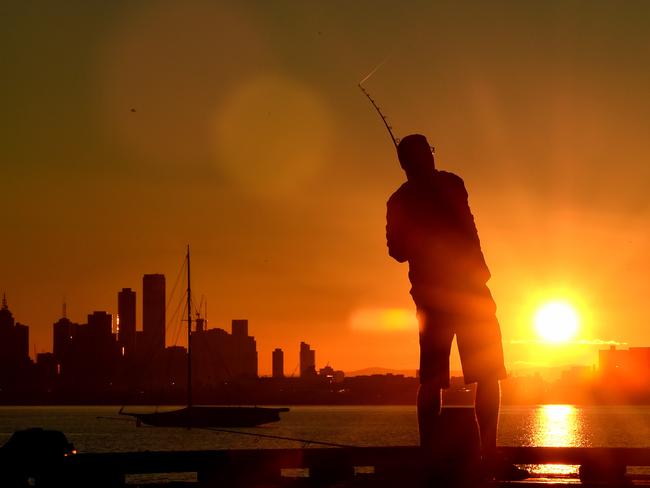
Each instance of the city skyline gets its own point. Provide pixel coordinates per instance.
(130, 130)
(306, 363)
(128, 341)
(88, 365)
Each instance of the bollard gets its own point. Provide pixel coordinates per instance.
(459, 441)
(456, 454)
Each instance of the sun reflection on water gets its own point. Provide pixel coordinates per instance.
(556, 426)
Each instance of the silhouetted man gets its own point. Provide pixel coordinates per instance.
(430, 225)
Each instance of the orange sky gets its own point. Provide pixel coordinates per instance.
(250, 141)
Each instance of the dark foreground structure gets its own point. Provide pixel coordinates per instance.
(352, 467)
(346, 467)
(45, 459)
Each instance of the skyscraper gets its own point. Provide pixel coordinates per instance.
(14, 338)
(153, 313)
(100, 325)
(14, 351)
(278, 363)
(219, 356)
(240, 328)
(126, 320)
(63, 334)
(93, 354)
(307, 361)
(245, 347)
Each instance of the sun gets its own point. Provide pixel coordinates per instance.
(556, 321)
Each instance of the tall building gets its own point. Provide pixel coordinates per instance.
(101, 325)
(245, 364)
(126, 321)
(278, 363)
(219, 356)
(63, 334)
(153, 314)
(307, 361)
(47, 369)
(628, 368)
(92, 353)
(15, 364)
(240, 328)
(14, 338)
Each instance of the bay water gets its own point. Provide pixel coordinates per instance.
(101, 429)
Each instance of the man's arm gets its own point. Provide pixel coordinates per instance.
(396, 230)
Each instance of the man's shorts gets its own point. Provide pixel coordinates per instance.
(472, 318)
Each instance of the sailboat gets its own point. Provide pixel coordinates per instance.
(200, 416)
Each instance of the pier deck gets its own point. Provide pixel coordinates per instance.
(364, 466)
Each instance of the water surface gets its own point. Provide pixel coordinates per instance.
(100, 429)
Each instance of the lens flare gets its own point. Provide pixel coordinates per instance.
(384, 320)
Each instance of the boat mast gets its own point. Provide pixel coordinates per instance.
(189, 332)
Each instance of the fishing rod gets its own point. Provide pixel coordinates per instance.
(372, 101)
(395, 140)
(383, 117)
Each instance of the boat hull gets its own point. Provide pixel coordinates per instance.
(207, 417)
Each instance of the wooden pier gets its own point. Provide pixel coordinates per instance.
(364, 466)
(41, 458)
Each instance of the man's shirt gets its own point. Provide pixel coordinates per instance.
(430, 225)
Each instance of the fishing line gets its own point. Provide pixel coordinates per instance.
(120, 419)
(278, 437)
(252, 434)
(372, 101)
(376, 68)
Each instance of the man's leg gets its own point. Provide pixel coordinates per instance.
(435, 344)
(488, 400)
(428, 404)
